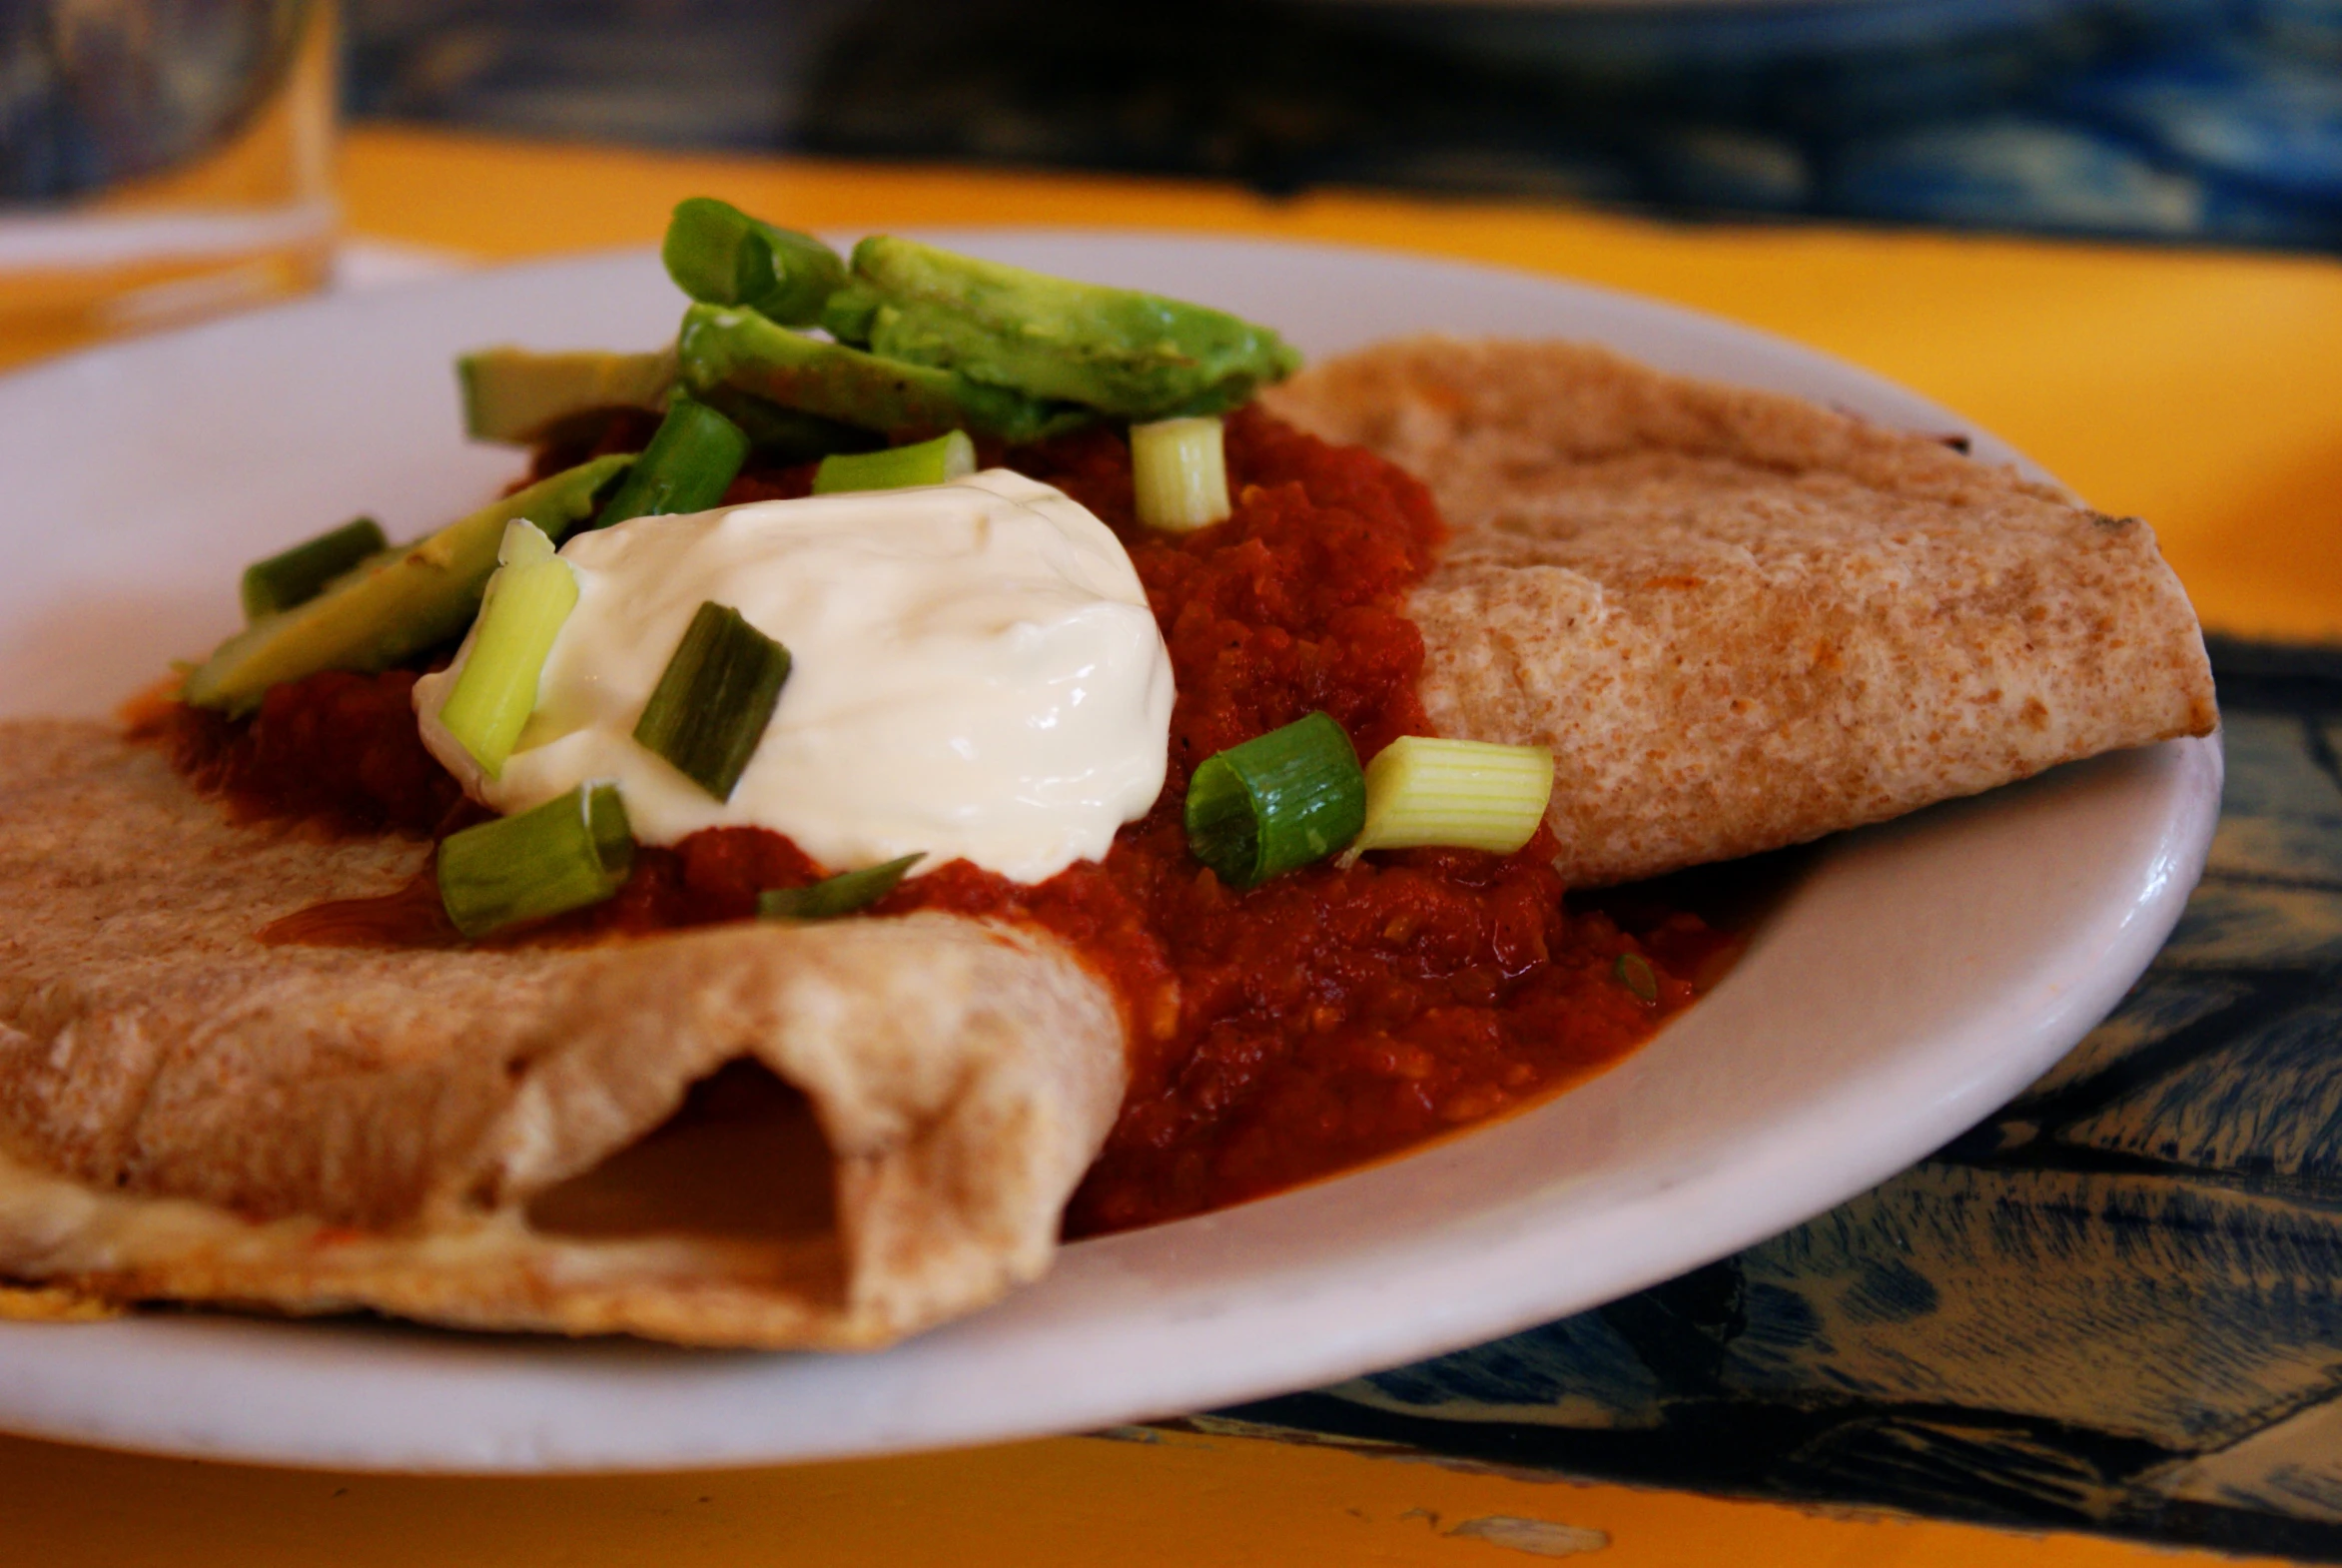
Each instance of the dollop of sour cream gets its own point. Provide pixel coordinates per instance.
(974, 674)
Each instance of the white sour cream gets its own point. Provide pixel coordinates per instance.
(975, 673)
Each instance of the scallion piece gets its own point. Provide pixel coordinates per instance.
(938, 462)
(718, 254)
(710, 708)
(300, 573)
(565, 854)
(1457, 794)
(839, 895)
(690, 461)
(528, 599)
(783, 437)
(1280, 800)
(1180, 469)
(1634, 972)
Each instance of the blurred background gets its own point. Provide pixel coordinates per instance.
(2198, 119)
(163, 157)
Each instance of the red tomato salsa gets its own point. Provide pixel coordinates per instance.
(1279, 1034)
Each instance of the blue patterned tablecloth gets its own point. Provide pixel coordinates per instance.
(2117, 1304)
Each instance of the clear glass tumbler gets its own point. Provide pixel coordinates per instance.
(160, 160)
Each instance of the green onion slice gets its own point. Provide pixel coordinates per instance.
(784, 437)
(1280, 800)
(1457, 794)
(690, 461)
(938, 462)
(839, 895)
(718, 254)
(299, 575)
(1634, 972)
(565, 854)
(1179, 468)
(709, 712)
(528, 599)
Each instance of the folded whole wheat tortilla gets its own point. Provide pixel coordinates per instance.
(1739, 621)
(457, 1136)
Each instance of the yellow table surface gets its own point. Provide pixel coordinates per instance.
(2200, 391)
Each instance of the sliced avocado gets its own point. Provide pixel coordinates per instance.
(726, 347)
(394, 607)
(522, 397)
(1136, 355)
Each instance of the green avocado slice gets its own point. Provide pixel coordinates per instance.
(728, 346)
(522, 397)
(1135, 356)
(394, 607)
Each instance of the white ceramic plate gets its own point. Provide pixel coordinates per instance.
(1919, 975)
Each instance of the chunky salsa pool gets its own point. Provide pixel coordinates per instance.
(1323, 1019)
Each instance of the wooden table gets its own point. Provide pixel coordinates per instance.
(2202, 391)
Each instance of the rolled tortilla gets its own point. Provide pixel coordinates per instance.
(1741, 621)
(893, 1112)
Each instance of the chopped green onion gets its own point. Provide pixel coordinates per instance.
(1179, 471)
(300, 573)
(496, 692)
(938, 462)
(710, 708)
(1277, 801)
(842, 894)
(565, 854)
(1634, 972)
(719, 255)
(782, 436)
(1457, 794)
(690, 461)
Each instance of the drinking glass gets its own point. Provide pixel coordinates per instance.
(160, 160)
